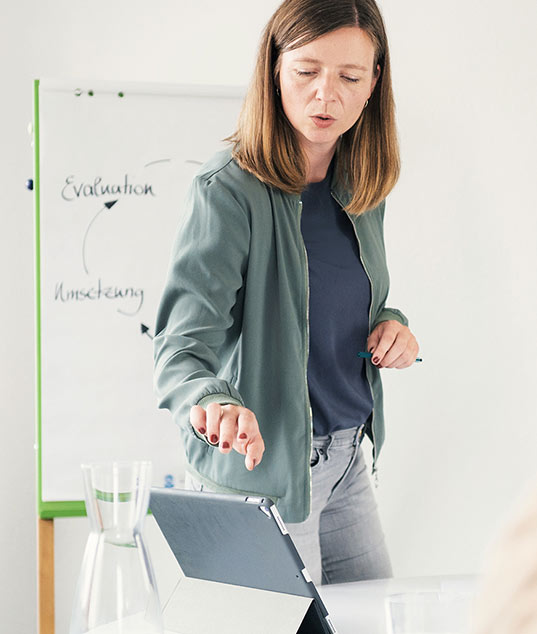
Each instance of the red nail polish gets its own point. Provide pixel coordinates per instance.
(243, 436)
(214, 439)
(225, 445)
(376, 360)
(202, 430)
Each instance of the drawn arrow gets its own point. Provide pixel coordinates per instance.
(194, 162)
(159, 161)
(108, 205)
(145, 330)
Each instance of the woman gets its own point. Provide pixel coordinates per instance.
(278, 280)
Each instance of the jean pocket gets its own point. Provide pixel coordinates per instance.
(315, 457)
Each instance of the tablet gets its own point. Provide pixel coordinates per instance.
(239, 541)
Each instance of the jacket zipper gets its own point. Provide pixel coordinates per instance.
(307, 349)
(374, 467)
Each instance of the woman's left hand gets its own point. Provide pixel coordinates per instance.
(392, 345)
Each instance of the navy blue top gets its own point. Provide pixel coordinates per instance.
(340, 296)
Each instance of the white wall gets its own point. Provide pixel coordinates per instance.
(461, 234)
(462, 243)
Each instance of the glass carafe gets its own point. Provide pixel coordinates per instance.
(116, 592)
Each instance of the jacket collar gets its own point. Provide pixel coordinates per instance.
(340, 190)
(341, 193)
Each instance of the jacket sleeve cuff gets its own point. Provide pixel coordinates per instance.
(223, 399)
(390, 313)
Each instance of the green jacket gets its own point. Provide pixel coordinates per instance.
(232, 327)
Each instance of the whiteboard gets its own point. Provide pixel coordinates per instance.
(113, 164)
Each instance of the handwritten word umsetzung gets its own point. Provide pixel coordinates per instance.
(73, 190)
(100, 292)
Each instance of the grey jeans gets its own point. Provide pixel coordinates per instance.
(342, 539)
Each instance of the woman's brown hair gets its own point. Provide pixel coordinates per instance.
(265, 143)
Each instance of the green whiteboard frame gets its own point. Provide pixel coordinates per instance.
(45, 510)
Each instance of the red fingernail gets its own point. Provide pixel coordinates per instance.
(225, 445)
(214, 439)
(202, 430)
(376, 360)
(243, 436)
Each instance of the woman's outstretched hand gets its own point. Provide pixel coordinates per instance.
(230, 427)
(392, 345)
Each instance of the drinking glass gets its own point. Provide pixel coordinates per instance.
(428, 613)
(116, 591)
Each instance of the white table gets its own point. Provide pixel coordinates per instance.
(358, 608)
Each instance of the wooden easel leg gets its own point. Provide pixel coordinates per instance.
(45, 572)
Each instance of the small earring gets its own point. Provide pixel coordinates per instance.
(365, 104)
(277, 91)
